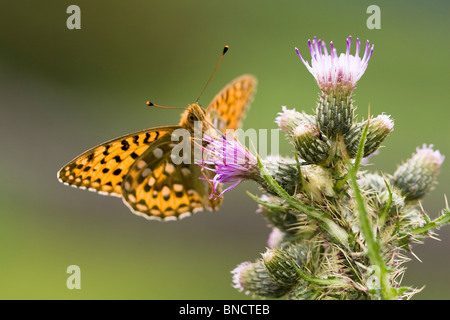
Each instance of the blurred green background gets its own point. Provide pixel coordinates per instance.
(63, 91)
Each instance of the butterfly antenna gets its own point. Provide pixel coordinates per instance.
(151, 104)
(225, 49)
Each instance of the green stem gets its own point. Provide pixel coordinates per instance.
(267, 204)
(443, 219)
(373, 247)
(341, 182)
(384, 214)
(311, 279)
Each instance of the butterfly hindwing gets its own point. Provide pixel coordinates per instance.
(228, 108)
(103, 167)
(157, 188)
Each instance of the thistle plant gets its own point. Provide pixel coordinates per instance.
(338, 230)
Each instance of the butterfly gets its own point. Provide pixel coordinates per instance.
(139, 167)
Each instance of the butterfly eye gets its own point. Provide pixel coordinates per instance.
(191, 118)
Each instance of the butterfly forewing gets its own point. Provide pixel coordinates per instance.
(102, 168)
(228, 108)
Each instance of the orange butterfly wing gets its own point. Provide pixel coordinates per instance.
(156, 188)
(229, 106)
(103, 167)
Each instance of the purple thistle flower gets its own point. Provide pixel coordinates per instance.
(229, 160)
(333, 72)
(237, 274)
(430, 158)
(287, 119)
(276, 237)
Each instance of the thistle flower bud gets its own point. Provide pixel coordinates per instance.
(281, 267)
(289, 119)
(304, 134)
(276, 238)
(418, 174)
(334, 114)
(284, 171)
(309, 144)
(379, 128)
(254, 278)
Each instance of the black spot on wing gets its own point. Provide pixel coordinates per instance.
(179, 194)
(125, 145)
(134, 155)
(147, 136)
(105, 153)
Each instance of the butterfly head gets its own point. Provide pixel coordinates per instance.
(193, 115)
